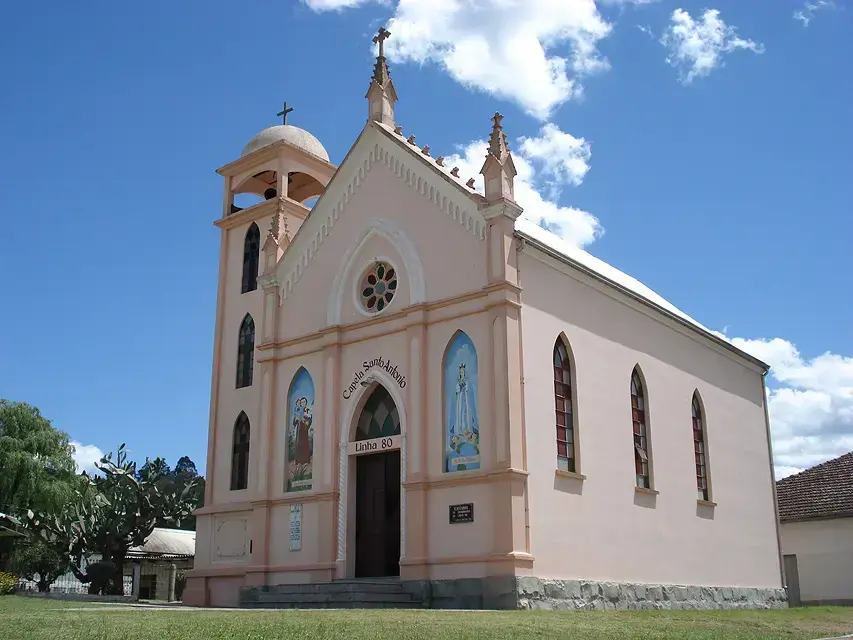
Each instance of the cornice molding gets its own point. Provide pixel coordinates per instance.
(262, 210)
(265, 154)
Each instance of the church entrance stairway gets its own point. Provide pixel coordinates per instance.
(339, 594)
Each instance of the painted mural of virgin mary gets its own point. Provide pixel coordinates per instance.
(464, 417)
(460, 379)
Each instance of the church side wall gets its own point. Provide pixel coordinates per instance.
(600, 527)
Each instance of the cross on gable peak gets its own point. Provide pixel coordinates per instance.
(380, 38)
(381, 35)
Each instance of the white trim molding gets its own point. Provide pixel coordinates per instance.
(348, 425)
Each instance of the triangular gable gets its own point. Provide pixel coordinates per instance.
(377, 144)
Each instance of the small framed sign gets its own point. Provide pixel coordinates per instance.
(461, 513)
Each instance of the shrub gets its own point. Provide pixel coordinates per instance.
(39, 562)
(8, 582)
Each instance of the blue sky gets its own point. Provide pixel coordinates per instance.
(720, 178)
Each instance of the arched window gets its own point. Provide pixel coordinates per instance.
(641, 438)
(246, 352)
(251, 256)
(699, 450)
(564, 405)
(240, 454)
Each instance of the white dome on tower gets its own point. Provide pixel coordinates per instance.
(292, 135)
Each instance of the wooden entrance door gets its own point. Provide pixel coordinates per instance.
(377, 515)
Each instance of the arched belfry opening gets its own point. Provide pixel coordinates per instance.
(376, 446)
(263, 186)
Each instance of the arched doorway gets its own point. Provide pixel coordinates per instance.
(377, 487)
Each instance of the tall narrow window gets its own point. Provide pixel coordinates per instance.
(565, 408)
(246, 352)
(699, 449)
(641, 441)
(251, 256)
(240, 454)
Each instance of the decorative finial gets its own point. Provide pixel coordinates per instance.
(470, 183)
(380, 70)
(283, 113)
(411, 139)
(398, 129)
(497, 141)
(425, 150)
(455, 172)
(498, 170)
(275, 226)
(440, 161)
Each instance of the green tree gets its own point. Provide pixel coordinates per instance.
(168, 479)
(112, 513)
(40, 562)
(36, 464)
(37, 470)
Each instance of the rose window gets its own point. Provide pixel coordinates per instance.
(378, 286)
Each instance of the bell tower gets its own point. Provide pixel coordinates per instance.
(279, 173)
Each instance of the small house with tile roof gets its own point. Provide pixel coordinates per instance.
(816, 532)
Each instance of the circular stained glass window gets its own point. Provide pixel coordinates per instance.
(378, 286)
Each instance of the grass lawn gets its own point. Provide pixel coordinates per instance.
(30, 619)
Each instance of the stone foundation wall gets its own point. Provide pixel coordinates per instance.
(525, 592)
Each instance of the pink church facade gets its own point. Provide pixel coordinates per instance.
(413, 382)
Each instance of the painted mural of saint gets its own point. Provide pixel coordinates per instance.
(302, 420)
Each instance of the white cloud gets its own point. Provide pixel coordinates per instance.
(809, 9)
(696, 47)
(561, 155)
(333, 5)
(534, 52)
(810, 403)
(86, 455)
(545, 164)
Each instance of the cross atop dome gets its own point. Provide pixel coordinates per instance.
(283, 113)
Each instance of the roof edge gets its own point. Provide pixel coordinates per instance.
(538, 244)
(829, 516)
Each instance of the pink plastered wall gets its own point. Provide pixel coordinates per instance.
(600, 527)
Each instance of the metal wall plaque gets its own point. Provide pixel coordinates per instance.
(461, 513)
(295, 527)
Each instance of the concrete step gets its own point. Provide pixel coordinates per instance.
(338, 586)
(333, 597)
(339, 594)
(333, 605)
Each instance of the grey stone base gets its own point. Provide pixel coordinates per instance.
(526, 592)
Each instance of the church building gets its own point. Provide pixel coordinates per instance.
(414, 383)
